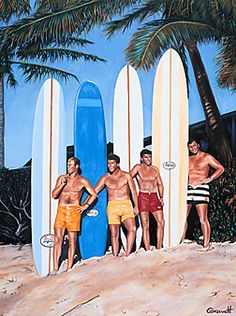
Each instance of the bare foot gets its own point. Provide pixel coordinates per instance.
(53, 272)
(207, 248)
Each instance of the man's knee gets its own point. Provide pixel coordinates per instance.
(133, 229)
(114, 234)
(58, 240)
(145, 224)
(161, 223)
(203, 220)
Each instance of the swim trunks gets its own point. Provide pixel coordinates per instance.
(119, 210)
(68, 216)
(149, 202)
(198, 195)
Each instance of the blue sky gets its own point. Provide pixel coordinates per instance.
(20, 103)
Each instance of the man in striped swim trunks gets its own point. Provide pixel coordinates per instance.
(198, 193)
(68, 190)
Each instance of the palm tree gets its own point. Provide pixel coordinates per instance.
(176, 23)
(23, 54)
(181, 24)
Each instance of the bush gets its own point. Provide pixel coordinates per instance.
(15, 215)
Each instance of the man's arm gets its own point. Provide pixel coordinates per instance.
(160, 187)
(90, 198)
(219, 169)
(60, 184)
(134, 170)
(133, 193)
(98, 187)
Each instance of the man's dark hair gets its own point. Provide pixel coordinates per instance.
(76, 161)
(145, 152)
(112, 156)
(193, 139)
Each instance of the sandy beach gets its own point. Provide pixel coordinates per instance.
(177, 281)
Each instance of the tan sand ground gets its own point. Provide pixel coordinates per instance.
(179, 281)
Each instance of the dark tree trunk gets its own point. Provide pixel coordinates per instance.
(217, 132)
(2, 122)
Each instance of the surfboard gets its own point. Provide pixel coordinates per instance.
(91, 149)
(128, 127)
(169, 141)
(48, 162)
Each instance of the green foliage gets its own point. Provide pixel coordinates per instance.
(222, 208)
(15, 219)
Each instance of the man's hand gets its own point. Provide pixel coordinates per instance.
(162, 201)
(136, 211)
(82, 208)
(207, 180)
(64, 180)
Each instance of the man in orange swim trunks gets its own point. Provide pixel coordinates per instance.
(68, 190)
(119, 184)
(150, 183)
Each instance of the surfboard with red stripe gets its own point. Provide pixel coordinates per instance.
(128, 125)
(48, 162)
(169, 141)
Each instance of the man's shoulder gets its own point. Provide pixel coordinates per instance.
(124, 174)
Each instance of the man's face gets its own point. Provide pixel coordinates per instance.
(193, 148)
(147, 159)
(112, 165)
(71, 167)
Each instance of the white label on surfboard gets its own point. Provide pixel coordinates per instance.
(47, 240)
(92, 213)
(169, 165)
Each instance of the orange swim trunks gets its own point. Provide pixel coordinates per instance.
(68, 216)
(119, 210)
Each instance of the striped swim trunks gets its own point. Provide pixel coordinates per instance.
(198, 194)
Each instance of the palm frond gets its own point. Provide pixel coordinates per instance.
(57, 54)
(7, 72)
(148, 9)
(38, 72)
(76, 18)
(182, 52)
(226, 64)
(150, 41)
(10, 8)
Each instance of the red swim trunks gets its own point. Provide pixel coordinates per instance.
(149, 202)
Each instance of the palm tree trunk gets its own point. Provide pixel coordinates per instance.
(2, 122)
(216, 130)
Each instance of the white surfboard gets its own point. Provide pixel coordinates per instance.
(169, 141)
(48, 162)
(128, 127)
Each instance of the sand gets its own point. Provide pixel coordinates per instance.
(175, 281)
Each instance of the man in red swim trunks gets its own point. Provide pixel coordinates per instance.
(150, 197)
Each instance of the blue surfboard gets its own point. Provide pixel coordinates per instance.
(90, 148)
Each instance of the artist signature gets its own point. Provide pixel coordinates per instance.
(228, 310)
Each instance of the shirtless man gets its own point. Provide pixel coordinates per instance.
(119, 184)
(149, 182)
(198, 187)
(68, 190)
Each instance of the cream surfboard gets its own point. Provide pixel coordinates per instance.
(128, 127)
(48, 162)
(169, 141)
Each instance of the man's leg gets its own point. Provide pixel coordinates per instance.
(145, 226)
(158, 215)
(114, 230)
(189, 206)
(131, 234)
(72, 248)
(57, 249)
(205, 225)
